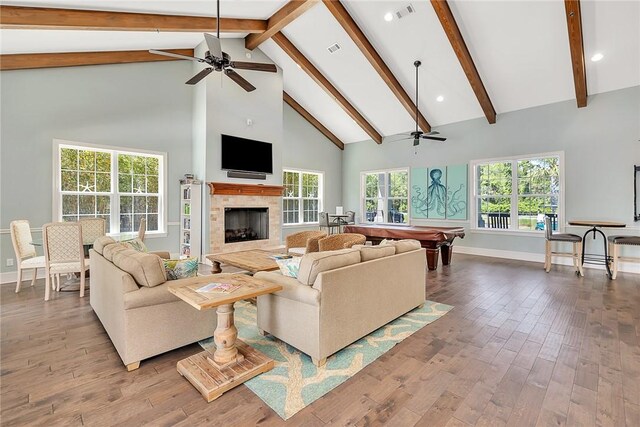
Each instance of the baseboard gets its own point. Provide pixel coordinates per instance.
(12, 276)
(626, 267)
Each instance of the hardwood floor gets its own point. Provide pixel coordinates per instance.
(521, 348)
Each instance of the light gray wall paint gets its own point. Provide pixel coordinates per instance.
(600, 143)
(306, 148)
(145, 106)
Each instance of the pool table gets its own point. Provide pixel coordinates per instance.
(433, 239)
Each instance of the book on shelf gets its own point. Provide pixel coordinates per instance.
(218, 288)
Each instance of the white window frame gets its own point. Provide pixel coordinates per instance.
(115, 200)
(363, 175)
(301, 199)
(514, 230)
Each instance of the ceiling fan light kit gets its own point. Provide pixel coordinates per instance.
(220, 61)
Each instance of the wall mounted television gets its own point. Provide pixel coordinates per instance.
(246, 155)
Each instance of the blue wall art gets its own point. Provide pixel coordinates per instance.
(439, 192)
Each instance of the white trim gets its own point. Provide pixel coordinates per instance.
(12, 276)
(56, 209)
(363, 174)
(514, 193)
(625, 267)
(301, 199)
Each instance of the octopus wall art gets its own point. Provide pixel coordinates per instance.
(439, 192)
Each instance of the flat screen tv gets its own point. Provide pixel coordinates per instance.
(246, 155)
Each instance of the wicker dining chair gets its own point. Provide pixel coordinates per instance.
(340, 241)
(92, 228)
(142, 229)
(26, 256)
(63, 252)
(303, 242)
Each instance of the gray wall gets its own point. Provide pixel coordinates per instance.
(145, 106)
(600, 143)
(306, 148)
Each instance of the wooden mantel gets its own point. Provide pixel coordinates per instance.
(225, 188)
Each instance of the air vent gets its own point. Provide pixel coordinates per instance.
(407, 10)
(334, 48)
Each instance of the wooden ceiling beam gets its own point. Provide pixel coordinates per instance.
(351, 27)
(73, 59)
(19, 17)
(576, 45)
(312, 120)
(283, 17)
(325, 84)
(451, 29)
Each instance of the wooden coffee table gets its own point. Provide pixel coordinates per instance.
(233, 361)
(253, 261)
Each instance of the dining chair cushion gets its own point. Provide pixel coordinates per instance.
(101, 242)
(368, 253)
(315, 263)
(35, 262)
(109, 250)
(146, 269)
(68, 267)
(565, 237)
(21, 238)
(623, 240)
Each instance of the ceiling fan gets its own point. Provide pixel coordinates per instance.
(217, 60)
(417, 135)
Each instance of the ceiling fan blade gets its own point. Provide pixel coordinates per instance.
(201, 75)
(435, 138)
(254, 66)
(239, 80)
(175, 55)
(213, 44)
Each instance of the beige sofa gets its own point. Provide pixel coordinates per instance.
(132, 301)
(341, 296)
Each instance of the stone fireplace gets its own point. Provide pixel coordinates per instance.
(245, 224)
(244, 216)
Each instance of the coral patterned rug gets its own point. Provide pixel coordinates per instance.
(295, 381)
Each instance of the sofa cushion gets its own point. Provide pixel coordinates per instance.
(137, 244)
(289, 267)
(146, 269)
(403, 246)
(315, 263)
(111, 249)
(100, 243)
(291, 288)
(181, 268)
(368, 253)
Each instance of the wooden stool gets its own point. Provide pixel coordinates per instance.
(614, 244)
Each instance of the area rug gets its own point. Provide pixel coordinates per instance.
(295, 381)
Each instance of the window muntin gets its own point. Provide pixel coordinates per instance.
(385, 196)
(516, 194)
(302, 199)
(96, 182)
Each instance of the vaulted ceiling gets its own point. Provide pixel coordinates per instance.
(519, 52)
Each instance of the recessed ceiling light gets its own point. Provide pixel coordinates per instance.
(597, 57)
(388, 16)
(440, 98)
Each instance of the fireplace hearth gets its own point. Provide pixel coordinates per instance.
(246, 224)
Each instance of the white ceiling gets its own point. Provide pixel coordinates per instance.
(520, 48)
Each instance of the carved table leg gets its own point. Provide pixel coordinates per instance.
(432, 258)
(225, 337)
(215, 267)
(447, 251)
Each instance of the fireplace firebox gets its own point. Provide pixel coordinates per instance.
(246, 224)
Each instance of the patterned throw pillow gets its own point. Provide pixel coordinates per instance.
(181, 268)
(137, 244)
(289, 267)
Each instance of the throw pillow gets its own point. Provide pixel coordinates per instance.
(137, 244)
(181, 268)
(289, 267)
